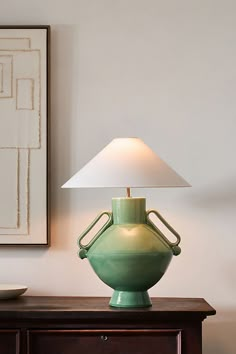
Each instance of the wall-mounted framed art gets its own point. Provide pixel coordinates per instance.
(24, 135)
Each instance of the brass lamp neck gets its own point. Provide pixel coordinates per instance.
(128, 195)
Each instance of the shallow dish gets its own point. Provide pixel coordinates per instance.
(10, 291)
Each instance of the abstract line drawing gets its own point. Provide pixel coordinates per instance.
(9, 188)
(25, 94)
(26, 62)
(15, 43)
(1, 77)
(19, 203)
(6, 85)
(23, 135)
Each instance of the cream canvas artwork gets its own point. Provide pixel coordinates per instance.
(23, 135)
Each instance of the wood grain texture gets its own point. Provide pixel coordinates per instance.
(41, 325)
(69, 307)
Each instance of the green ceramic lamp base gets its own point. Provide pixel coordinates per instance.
(129, 253)
(130, 299)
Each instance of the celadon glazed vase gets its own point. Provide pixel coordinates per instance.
(129, 253)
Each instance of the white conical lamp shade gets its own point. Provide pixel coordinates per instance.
(126, 162)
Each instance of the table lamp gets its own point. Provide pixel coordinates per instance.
(129, 253)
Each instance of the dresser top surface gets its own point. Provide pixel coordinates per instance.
(90, 307)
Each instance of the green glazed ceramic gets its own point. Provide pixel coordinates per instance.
(129, 253)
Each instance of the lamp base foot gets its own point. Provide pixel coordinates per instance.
(130, 299)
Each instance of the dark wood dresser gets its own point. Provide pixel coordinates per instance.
(87, 325)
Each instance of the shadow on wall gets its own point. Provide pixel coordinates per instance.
(219, 333)
(222, 195)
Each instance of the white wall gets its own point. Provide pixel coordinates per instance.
(164, 71)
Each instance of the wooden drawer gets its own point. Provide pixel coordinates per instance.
(104, 341)
(9, 341)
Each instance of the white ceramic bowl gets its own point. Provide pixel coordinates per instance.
(10, 291)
